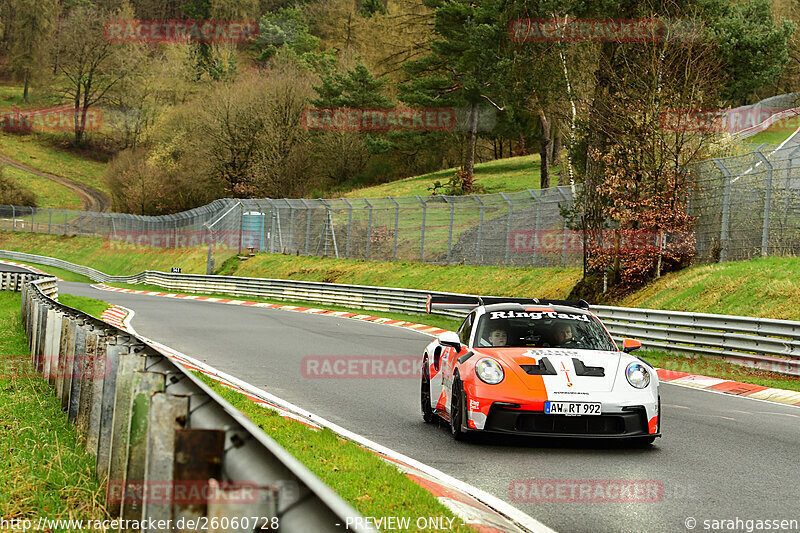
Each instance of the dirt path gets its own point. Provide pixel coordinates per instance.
(91, 198)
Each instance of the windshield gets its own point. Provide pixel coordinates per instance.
(523, 329)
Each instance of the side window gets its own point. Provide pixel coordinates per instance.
(466, 328)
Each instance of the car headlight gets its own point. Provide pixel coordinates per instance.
(489, 371)
(637, 375)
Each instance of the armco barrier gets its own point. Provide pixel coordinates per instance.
(168, 447)
(761, 343)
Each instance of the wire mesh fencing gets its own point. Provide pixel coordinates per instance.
(744, 206)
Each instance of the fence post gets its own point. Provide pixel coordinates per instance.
(478, 257)
(537, 226)
(508, 226)
(396, 226)
(369, 227)
(568, 199)
(308, 224)
(50, 221)
(450, 231)
(291, 226)
(726, 211)
(422, 231)
(767, 202)
(349, 225)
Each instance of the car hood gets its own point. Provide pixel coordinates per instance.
(559, 369)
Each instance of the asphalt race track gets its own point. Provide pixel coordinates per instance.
(722, 457)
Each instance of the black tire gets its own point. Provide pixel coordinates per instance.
(457, 427)
(425, 395)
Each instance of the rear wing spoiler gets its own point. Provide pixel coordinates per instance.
(457, 302)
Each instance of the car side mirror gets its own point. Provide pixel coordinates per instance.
(629, 345)
(450, 338)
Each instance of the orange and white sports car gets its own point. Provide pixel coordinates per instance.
(537, 367)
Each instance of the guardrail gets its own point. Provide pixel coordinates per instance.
(761, 343)
(168, 446)
(14, 281)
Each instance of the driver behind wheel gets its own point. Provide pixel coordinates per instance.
(498, 337)
(563, 334)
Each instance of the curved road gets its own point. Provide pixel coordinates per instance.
(91, 198)
(722, 456)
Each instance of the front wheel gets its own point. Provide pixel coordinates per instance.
(425, 394)
(457, 412)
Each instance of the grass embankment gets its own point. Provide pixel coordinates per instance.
(44, 470)
(775, 134)
(48, 193)
(372, 486)
(115, 258)
(90, 306)
(766, 287)
(41, 155)
(501, 175)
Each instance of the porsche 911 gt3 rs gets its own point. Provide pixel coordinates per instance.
(539, 368)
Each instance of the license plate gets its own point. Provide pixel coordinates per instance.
(572, 408)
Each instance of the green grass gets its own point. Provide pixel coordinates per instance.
(775, 134)
(368, 483)
(766, 287)
(65, 275)
(44, 471)
(111, 257)
(90, 306)
(501, 175)
(36, 153)
(48, 193)
(708, 366)
(11, 95)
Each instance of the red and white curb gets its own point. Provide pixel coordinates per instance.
(735, 388)
(23, 265)
(430, 330)
(477, 509)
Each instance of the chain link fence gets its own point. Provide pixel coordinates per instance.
(522, 228)
(748, 205)
(745, 206)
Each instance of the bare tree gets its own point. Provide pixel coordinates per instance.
(90, 66)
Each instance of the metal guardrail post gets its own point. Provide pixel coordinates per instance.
(76, 370)
(129, 365)
(167, 414)
(197, 459)
(146, 384)
(726, 211)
